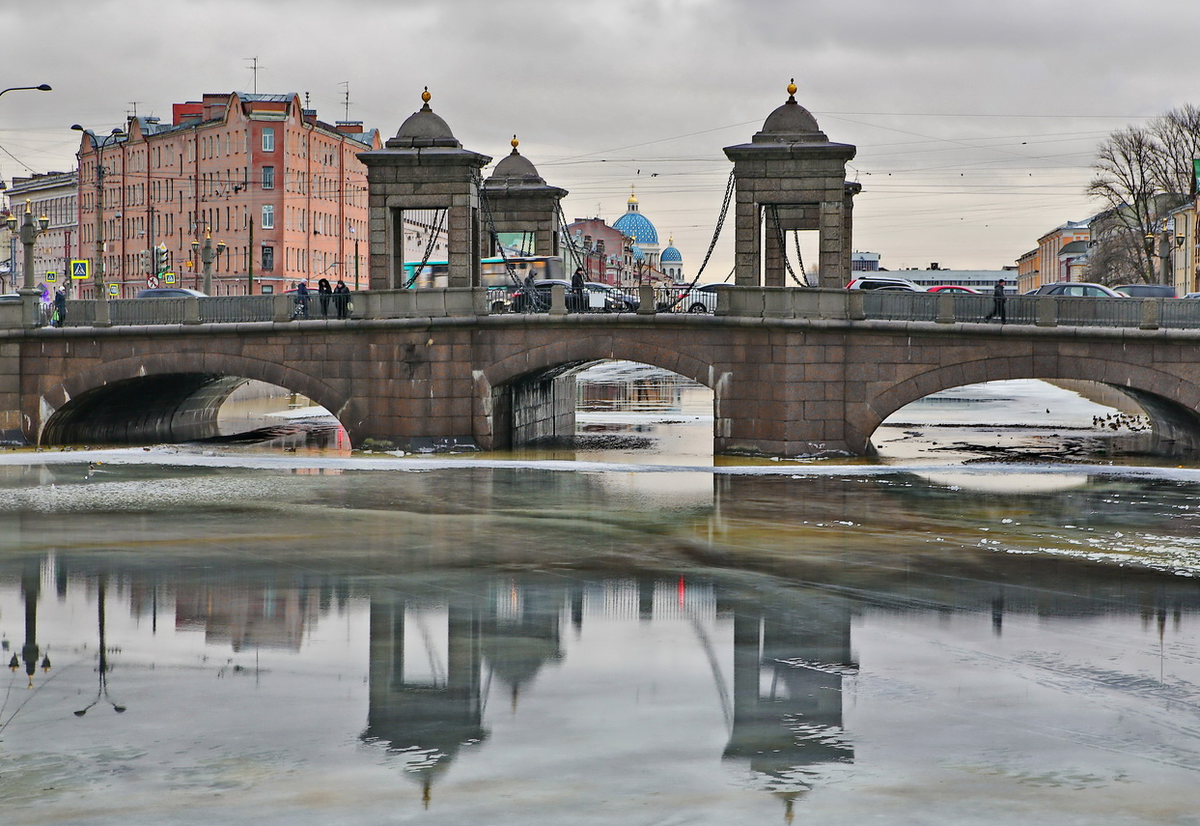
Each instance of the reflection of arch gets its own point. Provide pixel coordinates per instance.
(172, 397)
(543, 377)
(1170, 402)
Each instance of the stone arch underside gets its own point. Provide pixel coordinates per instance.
(1172, 403)
(140, 400)
(529, 397)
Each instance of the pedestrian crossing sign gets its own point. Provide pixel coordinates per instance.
(81, 269)
(114, 290)
(169, 277)
(51, 276)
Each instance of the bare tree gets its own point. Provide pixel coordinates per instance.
(1128, 170)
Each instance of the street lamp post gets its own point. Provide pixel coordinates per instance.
(42, 87)
(102, 317)
(208, 254)
(28, 233)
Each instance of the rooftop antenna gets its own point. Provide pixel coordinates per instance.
(254, 67)
(134, 104)
(307, 105)
(346, 96)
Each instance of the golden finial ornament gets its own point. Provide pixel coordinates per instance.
(425, 96)
(791, 87)
(514, 143)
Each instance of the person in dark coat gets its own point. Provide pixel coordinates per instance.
(997, 302)
(578, 290)
(60, 308)
(324, 293)
(341, 299)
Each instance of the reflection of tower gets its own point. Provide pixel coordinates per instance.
(522, 633)
(787, 686)
(425, 691)
(31, 588)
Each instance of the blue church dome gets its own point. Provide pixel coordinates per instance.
(635, 225)
(671, 256)
(636, 251)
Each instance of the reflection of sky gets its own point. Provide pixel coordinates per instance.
(1043, 721)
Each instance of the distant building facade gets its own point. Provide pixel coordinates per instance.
(284, 191)
(55, 196)
(1044, 265)
(626, 253)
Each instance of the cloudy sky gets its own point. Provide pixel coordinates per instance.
(975, 121)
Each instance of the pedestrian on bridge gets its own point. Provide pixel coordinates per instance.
(58, 316)
(301, 299)
(998, 296)
(324, 293)
(341, 299)
(578, 290)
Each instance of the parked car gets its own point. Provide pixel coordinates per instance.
(618, 301)
(1146, 290)
(699, 299)
(600, 297)
(170, 292)
(879, 282)
(1192, 295)
(1077, 288)
(953, 288)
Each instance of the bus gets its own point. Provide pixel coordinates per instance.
(494, 274)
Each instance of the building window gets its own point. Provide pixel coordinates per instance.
(268, 259)
(268, 216)
(268, 135)
(268, 177)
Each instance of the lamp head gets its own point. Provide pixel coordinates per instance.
(43, 223)
(43, 87)
(195, 246)
(11, 223)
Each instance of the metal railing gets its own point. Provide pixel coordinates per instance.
(723, 301)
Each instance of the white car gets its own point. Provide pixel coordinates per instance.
(699, 299)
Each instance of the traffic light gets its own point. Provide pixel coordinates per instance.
(147, 261)
(161, 264)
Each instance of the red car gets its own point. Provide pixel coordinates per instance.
(953, 288)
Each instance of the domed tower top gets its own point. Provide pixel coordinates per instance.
(424, 128)
(790, 123)
(516, 169)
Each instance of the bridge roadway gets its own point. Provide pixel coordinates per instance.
(793, 372)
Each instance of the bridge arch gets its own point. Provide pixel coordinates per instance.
(165, 397)
(1171, 403)
(529, 396)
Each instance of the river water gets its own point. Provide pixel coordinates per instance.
(993, 621)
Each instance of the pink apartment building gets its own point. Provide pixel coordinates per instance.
(283, 191)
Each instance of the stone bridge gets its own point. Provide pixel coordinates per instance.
(784, 383)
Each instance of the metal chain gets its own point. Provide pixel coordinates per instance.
(773, 211)
(712, 245)
(428, 249)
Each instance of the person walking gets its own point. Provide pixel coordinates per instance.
(578, 290)
(59, 314)
(528, 294)
(997, 303)
(341, 299)
(302, 299)
(324, 293)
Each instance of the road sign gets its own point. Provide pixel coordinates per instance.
(169, 277)
(51, 276)
(114, 290)
(152, 281)
(81, 269)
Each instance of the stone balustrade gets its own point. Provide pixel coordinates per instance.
(812, 304)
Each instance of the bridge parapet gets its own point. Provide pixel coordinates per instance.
(811, 303)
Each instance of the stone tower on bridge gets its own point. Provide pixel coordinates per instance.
(520, 200)
(791, 177)
(424, 167)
